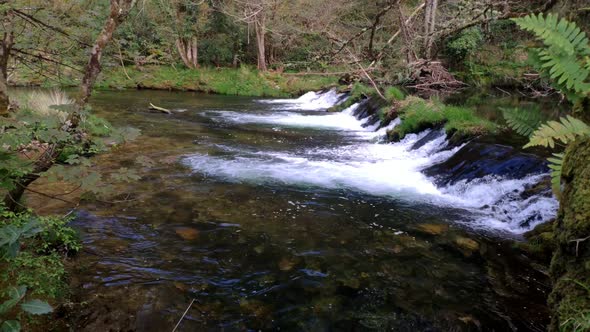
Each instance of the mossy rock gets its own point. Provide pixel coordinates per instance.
(540, 242)
(570, 266)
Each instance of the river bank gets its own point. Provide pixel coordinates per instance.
(243, 81)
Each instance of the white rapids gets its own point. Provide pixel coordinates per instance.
(310, 101)
(366, 165)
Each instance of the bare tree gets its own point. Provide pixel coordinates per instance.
(430, 9)
(119, 9)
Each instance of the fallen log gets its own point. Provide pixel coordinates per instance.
(160, 109)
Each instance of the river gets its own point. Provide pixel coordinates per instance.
(275, 215)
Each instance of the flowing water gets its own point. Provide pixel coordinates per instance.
(275, 215)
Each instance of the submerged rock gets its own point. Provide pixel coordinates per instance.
(476, 160)
(187, 233)
(433, 229)
(467, 245)
(431, 136)
(369, 108)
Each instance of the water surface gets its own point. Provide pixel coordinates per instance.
(277, 216)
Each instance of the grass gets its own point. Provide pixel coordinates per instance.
(242, 81)
(360, 91)
(418, 114)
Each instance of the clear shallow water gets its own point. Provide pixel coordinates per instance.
(273, 217)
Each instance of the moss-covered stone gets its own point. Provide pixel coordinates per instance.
(570, 266)
(419, 114)
(540, 242)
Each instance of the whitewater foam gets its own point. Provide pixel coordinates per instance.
(391, 170)
(310, 101)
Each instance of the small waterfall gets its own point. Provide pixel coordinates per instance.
(401, 170)
(311, 101)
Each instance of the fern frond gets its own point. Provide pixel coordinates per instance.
(564, 57)
(556, 33)
(565, 131)
(524, 122)
(565, 70)
(556, 165)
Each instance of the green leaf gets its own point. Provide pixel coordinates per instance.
(524, 122)
(31, 228)
(556, 164)
(565, 131)
(10, 326)
(7, 305)
(11, 250)
(17, 292)
(9, 234)
(563, 57)
(36, 307)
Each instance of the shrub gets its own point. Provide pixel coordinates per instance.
(464, 44)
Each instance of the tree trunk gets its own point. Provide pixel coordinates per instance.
(119, 9)
(5, 47)
(188, 50)
(259, 27)
(429, 26)
(570, 266)
(408, 43)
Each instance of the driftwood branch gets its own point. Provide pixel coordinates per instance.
(161, 109)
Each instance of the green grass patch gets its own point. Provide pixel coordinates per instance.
(418, 114)
(393, 94)
(243, 81)
(360, 91)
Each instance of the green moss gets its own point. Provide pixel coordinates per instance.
(540, 242)
(383, 112)
(418, 114)
(570, 266)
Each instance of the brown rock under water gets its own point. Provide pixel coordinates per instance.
(187, 233)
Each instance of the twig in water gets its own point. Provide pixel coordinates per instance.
(185, 312)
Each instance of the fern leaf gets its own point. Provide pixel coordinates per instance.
(564, 59)
(524, 122)
(556, 33)
(565, 70)
(565, 131)
(556, 165)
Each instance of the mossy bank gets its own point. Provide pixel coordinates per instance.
(418, 114)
